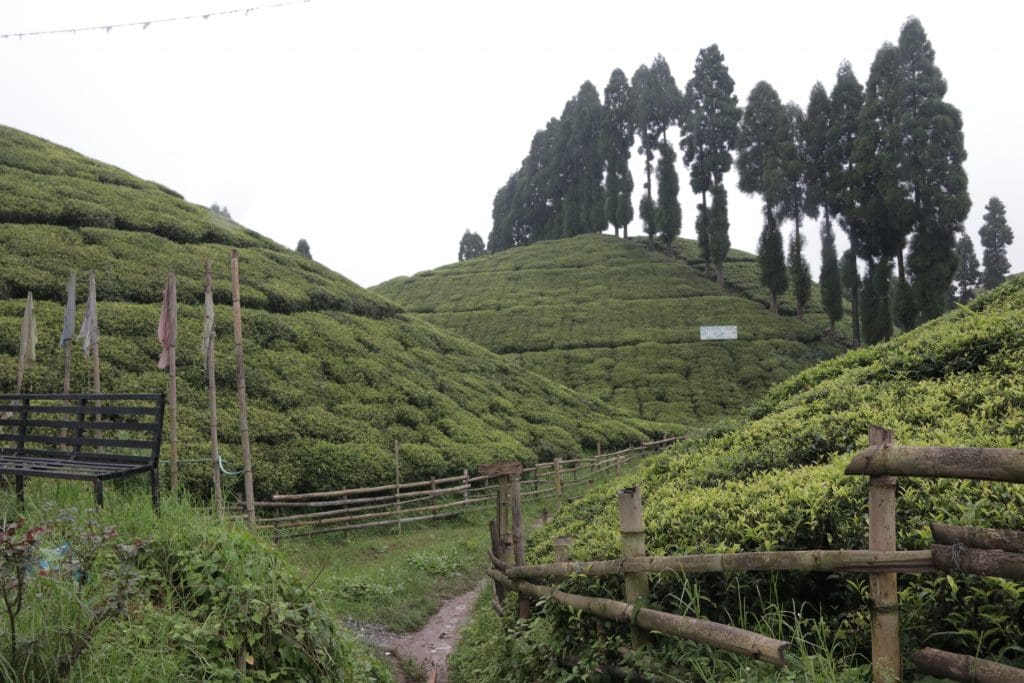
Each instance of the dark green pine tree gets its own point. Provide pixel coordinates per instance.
(931, 169)
(703, 227)
(845, 104)
(657, 104)
(616, 142)
(303, 249)
(669, 215)
(470, 246)
(968, 270)
(794, 160)
(816, 158)
(709, 124)
(995, 234)
(718, 230)
(762, 146)
(850, 276)
(831, 289)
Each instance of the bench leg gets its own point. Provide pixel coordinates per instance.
(97, 489)
(19, 488)
(154, 483)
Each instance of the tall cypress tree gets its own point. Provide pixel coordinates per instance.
(709, 123)
(794, 160)
(718, 230)
(968, 270)
(995, 234)
(876, 318)
(668, 214)
(616, 141)
(831, 289)
(931, 170)
(799, 272)
(581, 163)
(762, 145)
(648, 212)
(657, 104)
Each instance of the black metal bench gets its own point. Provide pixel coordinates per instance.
(89, 437)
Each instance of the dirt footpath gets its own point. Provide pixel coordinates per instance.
(430, 646)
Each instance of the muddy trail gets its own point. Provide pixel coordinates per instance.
(429, 647)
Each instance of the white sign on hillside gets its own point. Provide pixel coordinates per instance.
(716, 332)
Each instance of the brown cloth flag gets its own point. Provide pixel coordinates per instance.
(208, 331)
(166, 332)
(27, 353)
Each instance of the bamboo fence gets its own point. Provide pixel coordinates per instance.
(986, 552)
(398, 503)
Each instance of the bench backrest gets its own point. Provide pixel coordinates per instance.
(113, 427)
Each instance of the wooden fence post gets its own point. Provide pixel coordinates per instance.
(618, 464)
(499, 588)
(631, 529)
(243, 410)
(885, 617)
(518, 537)
(558, 483)
(562, 544)
(465, 492)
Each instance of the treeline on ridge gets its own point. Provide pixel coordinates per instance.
(883, 160)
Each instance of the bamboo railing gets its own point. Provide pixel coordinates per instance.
(985, 552)
(398, 503)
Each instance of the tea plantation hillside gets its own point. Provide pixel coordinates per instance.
(335, 374)
(610, 318)
(777, 483)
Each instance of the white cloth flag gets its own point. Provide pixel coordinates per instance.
(208, 331)
(90, 332)
(68, 333)
(165, 332)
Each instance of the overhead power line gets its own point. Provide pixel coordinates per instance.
(146, 24)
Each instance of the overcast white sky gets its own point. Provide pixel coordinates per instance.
(380, 131)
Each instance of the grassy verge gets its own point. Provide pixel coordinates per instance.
(123, 594)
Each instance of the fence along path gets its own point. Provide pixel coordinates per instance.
(304, 514)
(986, 552)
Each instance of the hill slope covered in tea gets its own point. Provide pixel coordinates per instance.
(612, 319)
(777, 483)
(335, 374)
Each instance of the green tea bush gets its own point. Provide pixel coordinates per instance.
(777, 483)
(335, 374)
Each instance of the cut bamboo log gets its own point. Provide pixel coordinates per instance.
(631, 532)
(722, 636)
(989, 464)
(376, 506)
(367, 525)
(886, 665)
(974, 537)
(981, 562)
(854, 561)
(277, 524)
(366, 489)
(172, 380)
(964, 668)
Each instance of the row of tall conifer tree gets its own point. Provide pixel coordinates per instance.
(882, 160)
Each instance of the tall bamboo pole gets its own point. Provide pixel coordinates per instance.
(518, 536)
(885, 617)
(632, 530)
(558, 483)
(172, 385)
(211, 389)
(398, 489)
(96, 342)
(243, 412)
